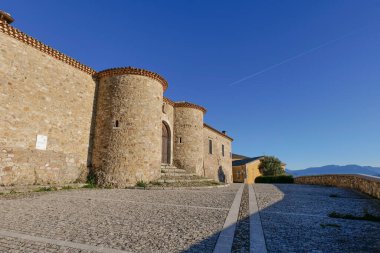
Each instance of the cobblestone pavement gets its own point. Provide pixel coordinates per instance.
(114, 219)
(241, 239)
(295, 219)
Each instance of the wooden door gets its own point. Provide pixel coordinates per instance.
(165, 144)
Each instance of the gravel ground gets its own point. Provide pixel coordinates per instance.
(295, 219)
(131, 220)
(10, 244)
(241, 239)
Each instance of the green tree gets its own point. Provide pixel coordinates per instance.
(271, 166)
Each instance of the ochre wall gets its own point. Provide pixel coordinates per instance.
(253, 171)
(215, 165)
(188, 125)
(40, 94)
(131, 152)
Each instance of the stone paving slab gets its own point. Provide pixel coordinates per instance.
(15, 245)
(173, 221)
(257, 240)
(226, 236)
(16, 242)
(294, 219)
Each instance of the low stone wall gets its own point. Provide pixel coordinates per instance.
(367, 184)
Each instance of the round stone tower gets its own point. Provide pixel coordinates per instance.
(188, 130)
(127, 134)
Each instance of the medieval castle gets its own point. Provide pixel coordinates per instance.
(60, 119)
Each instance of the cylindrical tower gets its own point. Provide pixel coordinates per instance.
(127, 135)
(188, 131)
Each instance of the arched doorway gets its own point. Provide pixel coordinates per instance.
(165, 143)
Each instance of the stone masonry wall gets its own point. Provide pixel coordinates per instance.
(217, 166)
(188, 125)
(40, 94)
(45, 92)
(130, 151)
(367, 184)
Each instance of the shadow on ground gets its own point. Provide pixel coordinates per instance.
(295, 218)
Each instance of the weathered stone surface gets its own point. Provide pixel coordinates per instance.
(188, 125)
(367, 184)
(127, 144)
(216, 165)
(108, 121)
(42, 95)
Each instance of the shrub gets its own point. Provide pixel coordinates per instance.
(67, 187)
(141, 183)
(91, 181)
(46, 189)
(271, 166)
(91, 178)
(283, 179)
(89, 186)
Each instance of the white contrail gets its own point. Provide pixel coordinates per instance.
(291, 59)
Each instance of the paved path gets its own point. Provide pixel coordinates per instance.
(295, 219)
(115, 220)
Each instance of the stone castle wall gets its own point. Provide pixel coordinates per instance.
(217, 166)
(110, 121)
(188, 127)
(42, 92)
(127, 144)
(367, 184)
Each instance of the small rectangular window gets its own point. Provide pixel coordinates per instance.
(210, 146)
(222, 150)
(180, 139)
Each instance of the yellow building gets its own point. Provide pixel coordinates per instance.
(247, 169)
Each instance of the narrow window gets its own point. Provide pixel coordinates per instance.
(222, 150)
(210, 146)
(116, 123)
(180, 139)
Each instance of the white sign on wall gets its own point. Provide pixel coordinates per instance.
(41, 142)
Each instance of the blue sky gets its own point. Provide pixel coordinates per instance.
(314, 93)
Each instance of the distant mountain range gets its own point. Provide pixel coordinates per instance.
(336, 169)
